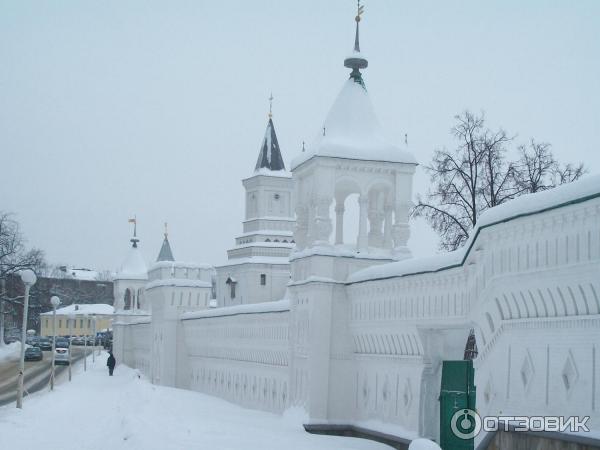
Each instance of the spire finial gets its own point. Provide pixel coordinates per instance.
(357, 61)
(134, 240)
(359, 10)
(271, 106)
(166, 230)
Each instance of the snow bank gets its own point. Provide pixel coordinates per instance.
(126, 412)
(423, 444)
(352, 131)
(10, 352)
(578, 191)
(265, 307)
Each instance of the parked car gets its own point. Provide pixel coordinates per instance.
(61, 356)
(45, 344)
(78, 340)
(62, 343)
(33, 354)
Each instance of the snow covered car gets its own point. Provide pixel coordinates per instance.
(61, 356)
(33, 354)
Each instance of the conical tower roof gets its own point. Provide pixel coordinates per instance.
(165, 253)
(270, 156)
(351, 129)
(134, 267)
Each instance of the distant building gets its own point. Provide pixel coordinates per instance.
(83, 317)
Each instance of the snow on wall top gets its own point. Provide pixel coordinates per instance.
(581, 190)
(134, 267)
(179, 265)
(266, 307)
(351, 130)
(94, 308)
(178, 282)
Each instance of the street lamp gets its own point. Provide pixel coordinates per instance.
(94, 342)
(87, 329)
(28, 278)
(54, 301)
(71, 322)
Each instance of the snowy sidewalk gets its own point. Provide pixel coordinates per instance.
(97, 412)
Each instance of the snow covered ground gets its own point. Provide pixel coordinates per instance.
(96, 412)
(10, 352)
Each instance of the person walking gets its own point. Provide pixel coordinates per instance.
(110, 362)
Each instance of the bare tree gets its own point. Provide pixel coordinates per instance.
(477, 175)
(13, 258)
(466, 181)
(538, 169)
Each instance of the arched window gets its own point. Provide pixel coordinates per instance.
(267, 240)
(231, 282)
(127, 300)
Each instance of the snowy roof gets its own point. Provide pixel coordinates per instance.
(272, 173)
(134, 267)
(351, 130)
(571, 193)
(94, 308)
(165, 253)
(270, 155)
(82, 274)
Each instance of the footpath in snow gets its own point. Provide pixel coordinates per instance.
(98, 412)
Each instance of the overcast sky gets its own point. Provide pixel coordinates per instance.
(115, 108)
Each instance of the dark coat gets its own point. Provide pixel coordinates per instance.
(110, 362)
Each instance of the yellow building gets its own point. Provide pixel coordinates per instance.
(78, 320)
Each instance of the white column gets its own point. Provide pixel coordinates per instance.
(322, 225)
(339, 221)
(363, 239)
(301, 231)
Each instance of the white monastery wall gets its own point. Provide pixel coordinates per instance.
(240, 354)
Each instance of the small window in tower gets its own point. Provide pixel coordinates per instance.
(232, 285)
(285, 240)
(263, 279)
(267, 240)
(276, 196)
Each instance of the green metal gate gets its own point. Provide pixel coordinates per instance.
(458, 419)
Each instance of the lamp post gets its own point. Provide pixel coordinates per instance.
(94, 342)
(87, 329)
(55, 301)
(28, 277)
(71, 322)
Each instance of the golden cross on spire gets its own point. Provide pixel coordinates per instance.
(360, 9)
(271, 105)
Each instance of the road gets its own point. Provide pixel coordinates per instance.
(37, 374)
